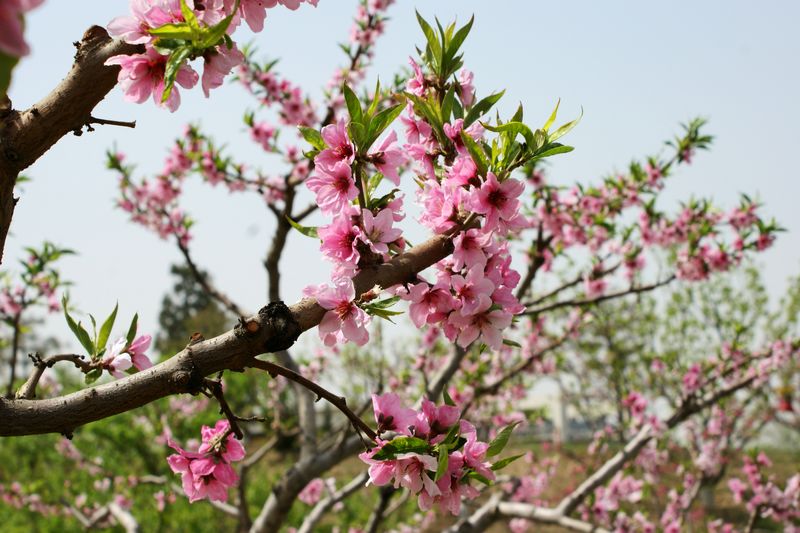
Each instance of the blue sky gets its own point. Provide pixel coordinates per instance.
(637, 69)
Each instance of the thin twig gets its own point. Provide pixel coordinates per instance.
(604, 297)
(337, 401)
(28, 390)
(106, 122)
(215, 387)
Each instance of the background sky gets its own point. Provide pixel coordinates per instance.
(638, 69)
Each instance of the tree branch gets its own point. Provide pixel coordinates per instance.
(591, 301)
(28, 389)
(337, 401)
(274, 328)
(26, 135)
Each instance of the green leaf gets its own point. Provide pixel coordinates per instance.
(513, 129)
(77, 330)
(132, 329)
(93, 375)
(388, 302)
(433, 43)
(376, 97)
(382, 120)
(441, 465)
(447, 103)
(447, 399)
(477, 477)
(553, 149)
(476, 151)
(190, 18)
(176, 59)
(308, 231)
(482, 107)
(312, 136)
(353, 105)
(563, 130)
(552, 118)
(456, 42)
(7, 64)
(400, 445)
(500, 441)
(502, 463)
(177, 31)
(105, 329)
(210, 36)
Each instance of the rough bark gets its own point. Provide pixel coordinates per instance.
(274, 328)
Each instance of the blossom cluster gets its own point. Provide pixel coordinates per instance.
(176, 31)
(433, 453)
(207, 473)
(763, 496)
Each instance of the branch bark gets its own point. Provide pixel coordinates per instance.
(26, 135)
(274, 328)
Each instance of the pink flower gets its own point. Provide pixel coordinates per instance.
(136, 29)
(429, 305)
(416, 83)
(434, 422)
(137, 351)
(334, 187)
(391, 415)
(497, 201)
(691, 379)
(339, 244)
(344, 321)
(207, 473)
(379, 231)
(473, 292)
(340, 149)
(264, 134)
(312, 492)
(466, 89)
(388, 157)
(143, 74)
(115, 360)
(254, 12)
(218, 63)
(12, 41)
(488, 325)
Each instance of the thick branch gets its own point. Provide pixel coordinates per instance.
(26, 135)
(274, 328)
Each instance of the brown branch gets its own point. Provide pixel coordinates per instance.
(28, 390)
(569, 284)
(107, 122)
(337, 401)
(536, 263)
(12, 374)
(215, 387)
(274, 328)
(26, 135)
(592, 301)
